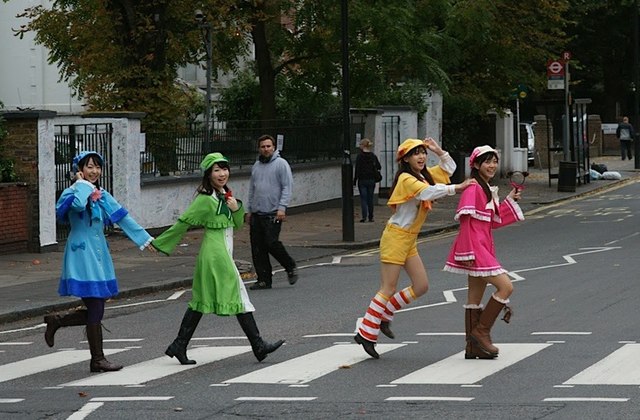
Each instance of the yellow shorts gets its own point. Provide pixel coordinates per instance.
(397, 245)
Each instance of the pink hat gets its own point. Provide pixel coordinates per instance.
(480, 150)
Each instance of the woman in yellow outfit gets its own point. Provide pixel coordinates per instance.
(413, 189)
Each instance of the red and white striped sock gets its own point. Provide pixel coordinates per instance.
(398, 301)
(369, 328)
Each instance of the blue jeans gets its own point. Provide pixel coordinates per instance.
(366, 188)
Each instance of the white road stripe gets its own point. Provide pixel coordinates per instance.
(85, 410)
(619, 368)
(17, 343)
(311, 366)
(50, 361)
(464, 399)
(160, 367)
(10, 400)
(276, 398)
(456, 370)
(561, 333)
(586, 399)
(120, 399)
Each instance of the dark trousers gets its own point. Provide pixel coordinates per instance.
(625, 147)
(265, 240)
(95, 310)
(366, 188)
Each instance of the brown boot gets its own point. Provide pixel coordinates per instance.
(98, 362)
(480, 335)
(471, 351)
(70, 319)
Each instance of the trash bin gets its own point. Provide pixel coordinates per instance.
(567, 173)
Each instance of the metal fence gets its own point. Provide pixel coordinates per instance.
(299, 141)
(69, 141)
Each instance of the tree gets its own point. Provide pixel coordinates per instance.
(124, 54)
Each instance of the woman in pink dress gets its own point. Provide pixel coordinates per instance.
(473, 252)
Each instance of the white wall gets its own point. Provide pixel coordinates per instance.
(26, 79)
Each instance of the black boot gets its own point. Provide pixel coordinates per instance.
(179, 346)
(368, 346)
(70, 319)
(98, 362)
(258, 345)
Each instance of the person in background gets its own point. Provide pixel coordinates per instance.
(270, 190)
(217, 286)
(473, 252)
(414, 188)
(87, 267)
(625, 133)
(367, 166)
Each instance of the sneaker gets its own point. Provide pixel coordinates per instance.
(260, 285)
(292, 275)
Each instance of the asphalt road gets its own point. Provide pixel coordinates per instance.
(571, 349)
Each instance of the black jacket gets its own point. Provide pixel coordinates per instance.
(366, 166)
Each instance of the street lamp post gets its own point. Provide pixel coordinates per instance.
(347, 168)
(636, 81)
(205, 26)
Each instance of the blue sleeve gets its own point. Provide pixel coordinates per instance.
(135, 232)
(73, 199)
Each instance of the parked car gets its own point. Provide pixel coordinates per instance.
(526, 132)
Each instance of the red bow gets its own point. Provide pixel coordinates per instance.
(228, 194)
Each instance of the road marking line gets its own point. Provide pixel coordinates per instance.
(276, 398)
(46, 362)
(304, 369)
(119, 399)
(619, 368)
(462, 399)
(85, 410)
(10, 400)
(586, 399)
(561, 333)
(458, 370)
(442, 333)
(17, 343)
(160, 367)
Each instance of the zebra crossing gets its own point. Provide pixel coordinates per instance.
(619, 367)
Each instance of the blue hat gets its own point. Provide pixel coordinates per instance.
(83, 155)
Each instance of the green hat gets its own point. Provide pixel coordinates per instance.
(212, 158)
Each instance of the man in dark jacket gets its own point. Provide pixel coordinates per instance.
(625, 133)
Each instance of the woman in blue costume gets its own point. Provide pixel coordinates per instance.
(87, 268)
(217, 286)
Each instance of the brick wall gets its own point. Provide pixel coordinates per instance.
(14, 208)
(21, 145)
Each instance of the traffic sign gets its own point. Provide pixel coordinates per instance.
(555, 68)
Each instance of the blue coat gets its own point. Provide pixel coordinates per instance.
(87, 268)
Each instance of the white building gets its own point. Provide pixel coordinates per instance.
(27, 80)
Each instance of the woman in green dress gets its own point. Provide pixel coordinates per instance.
(217, 285)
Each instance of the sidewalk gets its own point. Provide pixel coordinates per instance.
(29, 282)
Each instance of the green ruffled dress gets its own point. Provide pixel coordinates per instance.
(217, 285)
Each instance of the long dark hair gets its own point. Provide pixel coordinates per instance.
(405, 167)
(475, 174)
(206, 187)
(97, 160)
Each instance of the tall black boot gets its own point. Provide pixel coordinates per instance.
(98, 362)
(258, 345)
(179, 346)
(70, 319)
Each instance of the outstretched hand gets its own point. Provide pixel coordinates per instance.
(464, 184)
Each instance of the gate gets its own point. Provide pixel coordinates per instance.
(391, 132)
(69, 141)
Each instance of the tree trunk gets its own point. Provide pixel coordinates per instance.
(266, 73)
